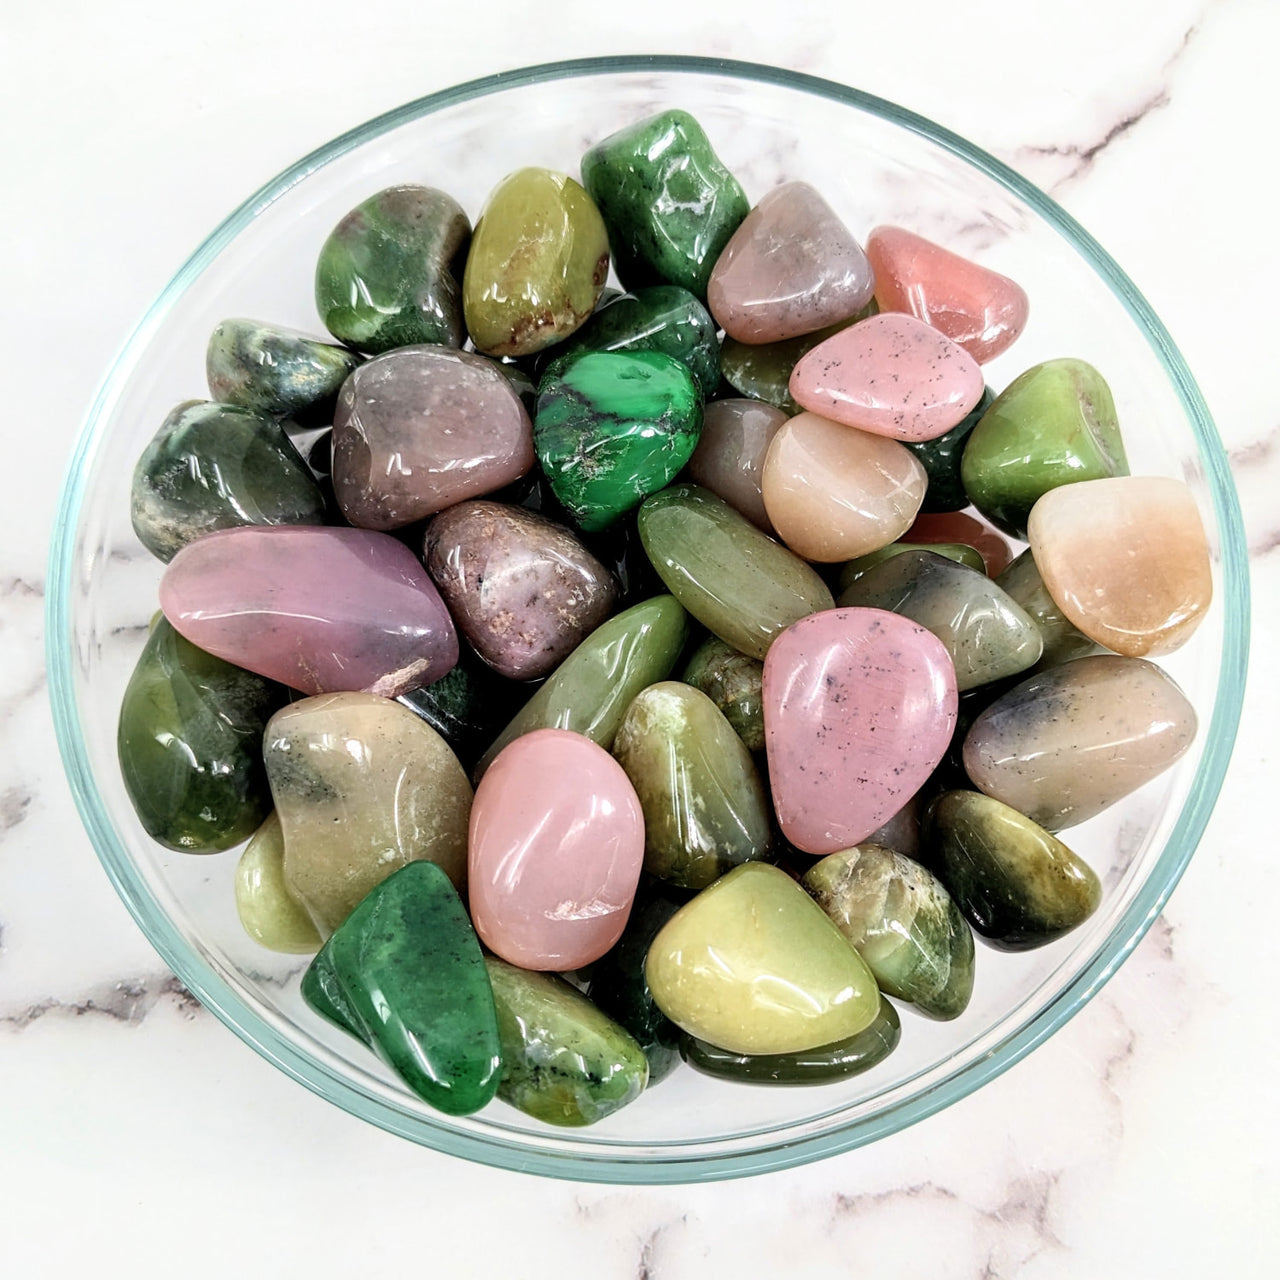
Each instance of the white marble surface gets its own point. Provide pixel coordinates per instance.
(134, 1129)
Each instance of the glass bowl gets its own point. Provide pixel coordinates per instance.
(875, 163)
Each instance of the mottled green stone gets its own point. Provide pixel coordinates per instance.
(733, 682)
(271, 915)
(740, 584)
(564, 1062)
(538, 260)
(957, 551)
(1021, 581)
(902, 922)
(829, 1062)
(612, 427)
(941, 457)
(1017, 885)
(668, 201)
(272, 369)
(410, 980)
(1055, 424)
(589, 692)
(190, 745)
(217, 466)
(390, 273)
(704, 806)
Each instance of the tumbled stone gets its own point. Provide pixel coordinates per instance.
(1126, 560)
(563, 1061)
(668, 201)
(1053, 425)
(271, 915)
(834, 493)
(957, 551)
(1018, 886)
(891, 375)
(189, 742)
(752, 965)
(977, 308)
(362, 787)
(732, 681)
(741, 585)
(902, 922)
(1021, 582)
(613, 427)
(859, 705)
(217, 466)
(736, 435)
(901, 833)
(968, 530)
(941, 458)
(1069, 742)
(524, 591)
(419, 429)
(390, 273)
(704, 806)
(790, 268)
(321, 610)
(987, 635)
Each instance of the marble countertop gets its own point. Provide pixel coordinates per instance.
(1140, 1141)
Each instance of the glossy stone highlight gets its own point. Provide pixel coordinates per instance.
(1022, 583)
(965, 528)
(957, 551)
(729, 459)
(733, 682)
(271, 915)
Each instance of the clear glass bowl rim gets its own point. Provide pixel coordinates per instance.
(778, 1152)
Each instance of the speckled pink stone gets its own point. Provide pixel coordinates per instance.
(554, 852)
(321, 610)
(859, 706)
(974, 306)
(892, 375)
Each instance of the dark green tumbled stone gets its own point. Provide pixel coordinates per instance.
(669, 203)
(405, 973)
(733, 682)
(940, 458)
(811, 1066)
(190, 744)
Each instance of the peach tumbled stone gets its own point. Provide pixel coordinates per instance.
(835, 493)
(1125, 559)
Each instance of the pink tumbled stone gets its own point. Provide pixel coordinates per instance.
(976, 307)
(892, 375)
(321, 610)
(554, 852)
(859, 706)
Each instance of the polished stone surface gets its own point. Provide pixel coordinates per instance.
(957, 551)
(966, 528)
(736, 435)
(733, 682)
(271, 915)
(1021, 581)
(941, 458)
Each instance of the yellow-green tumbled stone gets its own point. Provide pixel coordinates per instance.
(538, 261)
(271, 915)
(753, 965)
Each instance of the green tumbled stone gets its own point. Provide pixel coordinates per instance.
(190, 744)
(957, 551)
(1021, 581)
(1053, 425)
(590, 691)
(941, 457)
(1017, 885)
(272, 369)
(538, 261)
(902, 922)
(705, 810)
(613, 427)
(668, 201)
(407, 971)
(733, 682)
(829, 1062)
(390, 273)
(271, 915)
(739, 583)
(564, 1062)
(217, 466)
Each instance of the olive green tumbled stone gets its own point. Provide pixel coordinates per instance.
(704, 805)
(957, 551)
(941, 457)
(271, 915)
(827, 1062)
(739, 583)
(538, 260)
(1017, 885)
(612, 427)
(190, 744)
(1022, 582)
(733, 682)
(590, 691)
(1055, 424)
(902, 922)
(668, 201)
(753, 965)
(564, 1062)
(389, 275)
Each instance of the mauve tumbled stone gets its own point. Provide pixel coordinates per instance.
(736, 435)
(321, 610)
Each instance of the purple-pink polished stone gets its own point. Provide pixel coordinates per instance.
(321, 610)
(859, 707)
